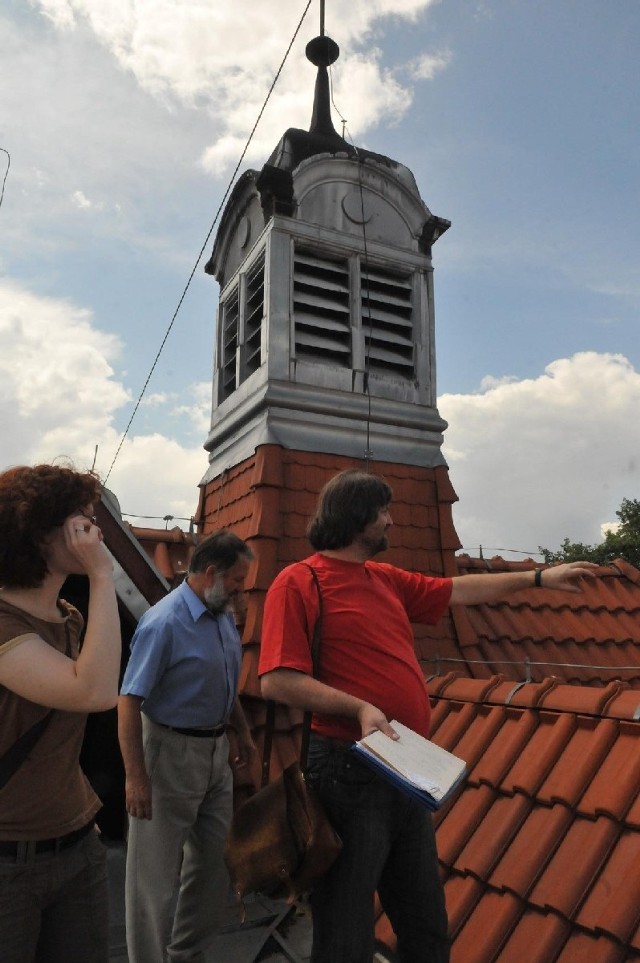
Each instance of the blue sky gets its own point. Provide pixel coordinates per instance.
(520, 122)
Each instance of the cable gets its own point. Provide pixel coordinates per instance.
(6, 173)
(368, 452)
(530, 662)
(206, 241)
(159, 518)
(490, 548)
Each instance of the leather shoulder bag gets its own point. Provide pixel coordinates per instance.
(280, 841)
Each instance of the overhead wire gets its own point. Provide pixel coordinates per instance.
(206, 240)
(6, 173)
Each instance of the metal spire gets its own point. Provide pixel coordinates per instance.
(322, 51)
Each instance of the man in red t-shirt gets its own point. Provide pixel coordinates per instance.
(369, 674)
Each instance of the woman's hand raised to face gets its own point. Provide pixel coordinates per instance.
(84, 541)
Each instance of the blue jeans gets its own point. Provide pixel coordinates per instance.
(388, 846)
(54, 908)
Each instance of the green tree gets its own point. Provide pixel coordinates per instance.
(624, 542)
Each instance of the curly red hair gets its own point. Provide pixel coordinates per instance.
(33, 502)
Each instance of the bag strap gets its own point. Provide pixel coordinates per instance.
(16, 754)
(271, 706)
(315, 662)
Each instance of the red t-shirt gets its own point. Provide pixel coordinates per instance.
(367, 645)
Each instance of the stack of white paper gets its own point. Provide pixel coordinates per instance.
(414, 764)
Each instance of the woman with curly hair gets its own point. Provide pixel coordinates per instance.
(53, 884)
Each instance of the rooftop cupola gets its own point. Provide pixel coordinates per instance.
(325, 327)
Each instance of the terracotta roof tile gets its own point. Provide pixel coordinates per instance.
(470, 690)
(542, 934)
(517, 730)
(583, 947)
(540, 754)
(268, 466)
(586, 844)
(579, 698)
(498, 828)
(582, 756)
(453, 726)
(611, 788)
(463, 895)
(625, 704)
(265, 516)
(613, 905)
(525, 859)
(455, 830)
(475, 741)
(633, 816)
(484, 933)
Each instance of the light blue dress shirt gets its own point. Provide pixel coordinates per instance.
(185, 662)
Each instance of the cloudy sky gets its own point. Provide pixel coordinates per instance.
(123, 122)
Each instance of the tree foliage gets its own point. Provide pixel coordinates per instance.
(624, 542)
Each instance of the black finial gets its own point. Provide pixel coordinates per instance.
(322, 51)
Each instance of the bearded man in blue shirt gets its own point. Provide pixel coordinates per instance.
(178, 693)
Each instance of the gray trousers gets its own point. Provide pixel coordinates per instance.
(180, 847)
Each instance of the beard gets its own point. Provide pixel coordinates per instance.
(375, 544)
(217, 598)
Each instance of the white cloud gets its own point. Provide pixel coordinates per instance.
(490, 381)
(82, 202)
(536, 460)
(199, 410)
(195, 54)
(608, 527)
(59, 398)
(155, 399)
(156, 476)
(57, 393)
(428, 65)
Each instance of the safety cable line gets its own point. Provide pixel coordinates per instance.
(529, 662)
(206, 241)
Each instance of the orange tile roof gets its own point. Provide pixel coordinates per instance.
(540, 850)
(590, 638)
(169, 549)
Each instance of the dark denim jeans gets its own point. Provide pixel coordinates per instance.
(54, 909)
(388, 846)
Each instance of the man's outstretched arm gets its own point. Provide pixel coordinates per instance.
(489, 587)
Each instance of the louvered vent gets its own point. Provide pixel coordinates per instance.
(387, 322)
(230, 319)
(321, 309)
(254, 313)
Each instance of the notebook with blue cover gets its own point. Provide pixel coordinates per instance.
(413, 764)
